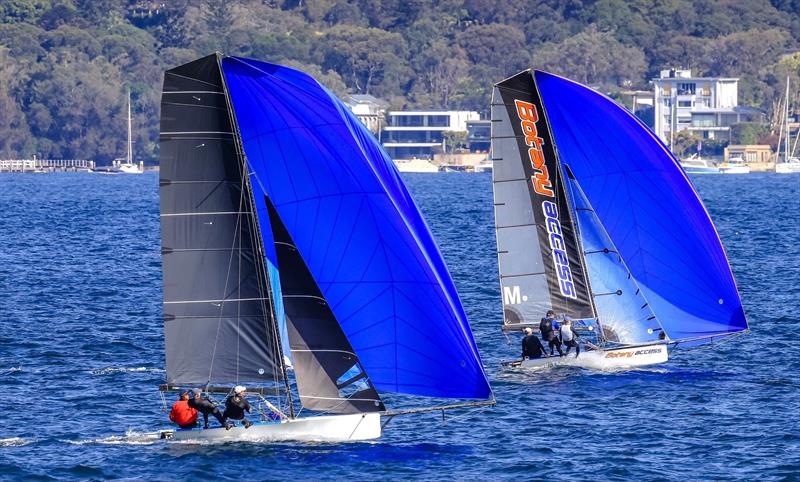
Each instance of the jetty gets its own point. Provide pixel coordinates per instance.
(45, 165)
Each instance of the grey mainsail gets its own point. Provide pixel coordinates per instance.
(218, 323)
(329, 375)
(539, 256)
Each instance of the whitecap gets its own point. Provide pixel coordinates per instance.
(131, 437)
(15, 441)
(112, 370)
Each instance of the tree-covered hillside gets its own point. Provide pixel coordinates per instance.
(65, 64)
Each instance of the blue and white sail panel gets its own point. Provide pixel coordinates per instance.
(649, 209)
(623, 313)
(273, 273)
(541, 267)
(358, 231)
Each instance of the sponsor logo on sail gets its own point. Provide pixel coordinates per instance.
(566, 283)
(512, 295)
(528, 116)
(630, 354)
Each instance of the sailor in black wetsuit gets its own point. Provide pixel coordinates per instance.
(531, 346)
(236, 405)
(206, 407)
(549, 333)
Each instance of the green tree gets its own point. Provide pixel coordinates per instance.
(593, 58)
(370, 60)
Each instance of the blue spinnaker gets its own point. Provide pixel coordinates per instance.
(358, 230)
(649, 208)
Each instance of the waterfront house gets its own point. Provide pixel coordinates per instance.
(418, 134)
(705, 106)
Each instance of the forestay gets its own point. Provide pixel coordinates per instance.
(649, 209)
(358, 231)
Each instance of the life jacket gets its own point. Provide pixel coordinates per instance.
(182, 413)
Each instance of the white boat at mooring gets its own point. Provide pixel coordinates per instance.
(596, 220)
(296, 262)
(697, 165)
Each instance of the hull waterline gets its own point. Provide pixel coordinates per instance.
(618, 358)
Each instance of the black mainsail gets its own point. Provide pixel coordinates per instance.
(532, 203)
(218, 324)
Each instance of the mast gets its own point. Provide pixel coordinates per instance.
(786, 119)
(256, 233)
(130, 140)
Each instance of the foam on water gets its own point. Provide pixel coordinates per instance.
(113, 370)
(15, 441)
(131, 437)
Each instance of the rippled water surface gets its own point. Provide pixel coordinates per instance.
(81, 354)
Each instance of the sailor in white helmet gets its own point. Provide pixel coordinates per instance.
(569, 337)
(236, 405)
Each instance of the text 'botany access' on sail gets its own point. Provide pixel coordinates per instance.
(597, 220)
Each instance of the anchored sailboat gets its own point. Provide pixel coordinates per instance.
(295, 260)
(129, 167)
(596, 220)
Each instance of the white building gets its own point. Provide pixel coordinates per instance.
(416, 134)
(369, 110)
(706, 106)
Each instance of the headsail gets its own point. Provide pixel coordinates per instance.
(623, 313)
(217, 322)
(541, 266)
(358, 231)
(649, 209)
(329, 375)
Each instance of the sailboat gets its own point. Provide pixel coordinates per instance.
(296, 263)
(596, 220)
(790, 164)
(128, 166)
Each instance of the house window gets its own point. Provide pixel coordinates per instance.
(684, 103)
(407, 120)
(439, 121)
(703, 120)
(687, 88)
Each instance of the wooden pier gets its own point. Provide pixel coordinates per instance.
(45, 165)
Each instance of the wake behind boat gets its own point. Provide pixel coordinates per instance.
(295, 261)
(596, 220)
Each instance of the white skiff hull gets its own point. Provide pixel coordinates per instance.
(604, 359)
(329, 428)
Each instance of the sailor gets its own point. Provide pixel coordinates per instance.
(206, 407)
(236, 405)
(568, 336)
(182, 414)
(531, 346)
(548, 327)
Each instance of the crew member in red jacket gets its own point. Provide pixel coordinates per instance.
(182, 414)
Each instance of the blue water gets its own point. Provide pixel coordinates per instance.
(81, 354)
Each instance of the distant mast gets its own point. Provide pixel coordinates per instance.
(130, 140)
